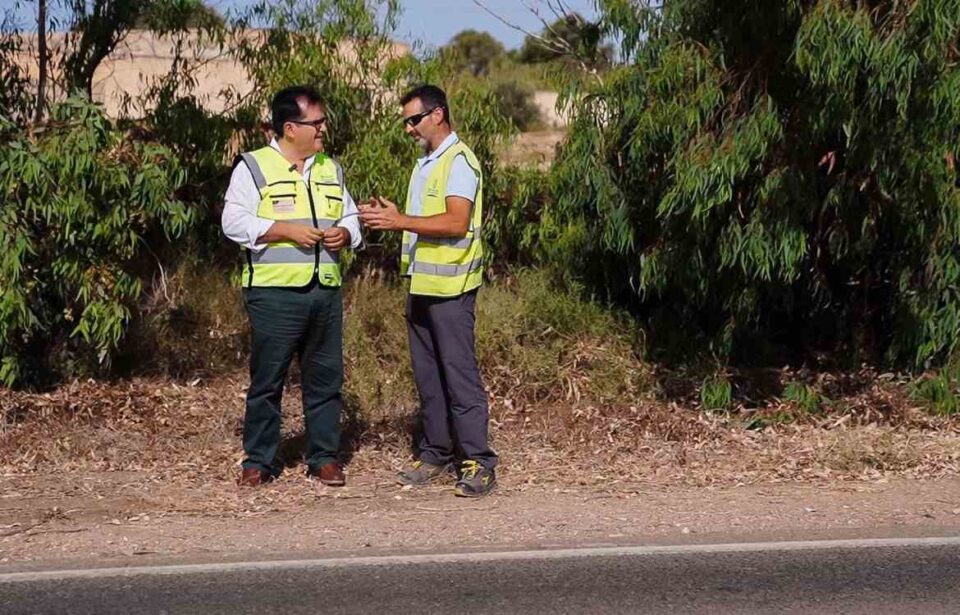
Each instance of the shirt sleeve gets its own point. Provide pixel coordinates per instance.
(350, 219)
(239, 219)
(463, 179)
(349, 216)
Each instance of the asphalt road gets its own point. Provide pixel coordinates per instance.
(848, 576)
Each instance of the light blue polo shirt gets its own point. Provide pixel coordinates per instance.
(462, 182)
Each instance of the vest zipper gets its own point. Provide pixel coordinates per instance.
(316, 225)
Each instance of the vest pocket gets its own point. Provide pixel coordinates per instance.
(334, 206)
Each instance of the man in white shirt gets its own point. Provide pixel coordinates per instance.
(288, 209)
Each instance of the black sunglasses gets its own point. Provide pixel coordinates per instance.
(317, 124)
(413, 120)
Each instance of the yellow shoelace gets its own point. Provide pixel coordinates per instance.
(471, 469)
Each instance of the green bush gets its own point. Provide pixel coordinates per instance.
(539, 342)
(83, 203)
(190, 324)
(716, 392)
(940, 391)
(519, 200)
(773, 179)
(515, 101)
(803, 397)
(472, 51)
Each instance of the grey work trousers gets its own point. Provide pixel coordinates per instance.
(453, 400)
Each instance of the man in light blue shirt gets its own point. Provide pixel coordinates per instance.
(462, 181)
(442, 225)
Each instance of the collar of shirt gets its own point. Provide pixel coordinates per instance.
(306, 163)
(444, 146)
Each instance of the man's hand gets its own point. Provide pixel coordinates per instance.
(386, 217)
(303, 236)
(335, 238)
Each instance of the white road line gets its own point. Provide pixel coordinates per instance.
(534, 555)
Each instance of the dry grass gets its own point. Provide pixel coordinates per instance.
(163, 428)
(571, 402)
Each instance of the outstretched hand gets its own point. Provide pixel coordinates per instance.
(381, 214)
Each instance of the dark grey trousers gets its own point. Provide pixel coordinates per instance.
(453, 401)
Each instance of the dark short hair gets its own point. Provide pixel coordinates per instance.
(286, 105)
(430, 97)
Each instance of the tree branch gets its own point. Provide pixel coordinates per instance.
(556, 43)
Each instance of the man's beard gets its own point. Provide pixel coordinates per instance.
(424, 145)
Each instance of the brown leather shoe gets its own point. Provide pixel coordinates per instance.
(253, 477)
(330, 474)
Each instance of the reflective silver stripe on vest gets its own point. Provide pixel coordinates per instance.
(287, 255)
(258, 178)
(448, 271)
(453, 242)
(322, 224)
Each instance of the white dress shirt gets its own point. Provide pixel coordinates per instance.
(242, 225)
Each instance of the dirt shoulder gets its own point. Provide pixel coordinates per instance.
(145, 469)
(69, 518)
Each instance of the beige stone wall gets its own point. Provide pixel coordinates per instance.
(546, 102)
(142, 58)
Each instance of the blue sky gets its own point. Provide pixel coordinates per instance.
(436, 21)
(433, 22)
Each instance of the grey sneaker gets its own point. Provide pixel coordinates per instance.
(422, 473)
(475, 480)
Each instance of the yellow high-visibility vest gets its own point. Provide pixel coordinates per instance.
(286, 197)
(440, 266)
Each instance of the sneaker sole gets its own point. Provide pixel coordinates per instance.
(434, 478)
(463, 494)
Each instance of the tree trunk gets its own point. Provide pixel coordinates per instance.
(42, 49)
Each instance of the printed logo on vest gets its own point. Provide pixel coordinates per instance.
(434, 188)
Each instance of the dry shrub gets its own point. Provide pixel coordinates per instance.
(870, 449)
(536, 345)
(539, 343)
(568, 395)
(192, 324)
(378, 376)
